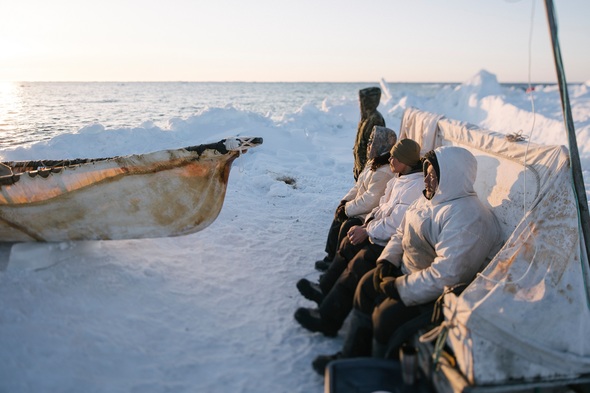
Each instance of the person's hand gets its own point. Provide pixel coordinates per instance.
(341, 214)
(384, 269)
(377, 275)
(357, 234)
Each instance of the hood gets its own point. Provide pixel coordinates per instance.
(458, 169)
(382, 139)
(369, 98)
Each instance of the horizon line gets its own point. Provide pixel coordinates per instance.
(241, 81)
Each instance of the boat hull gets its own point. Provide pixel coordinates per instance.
(161, 194)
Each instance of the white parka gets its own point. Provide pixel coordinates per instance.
(368, 189)
(370, 185)
(446, 240)
(400, 193)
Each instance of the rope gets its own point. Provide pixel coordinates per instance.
(241, 144)
(441, 331)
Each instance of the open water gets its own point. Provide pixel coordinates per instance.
(37, 111)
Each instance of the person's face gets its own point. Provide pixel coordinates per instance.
(395, 165)
(430, 181)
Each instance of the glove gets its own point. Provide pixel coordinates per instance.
(389, 289)
(377, 275)
(340, 214)
(384, 269)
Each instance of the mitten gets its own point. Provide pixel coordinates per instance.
(384, 269)
(377, 274)
(341, 214)
(388, 288)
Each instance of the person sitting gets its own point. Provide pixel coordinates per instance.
(359, 251)
(364, 195)
(446, 237)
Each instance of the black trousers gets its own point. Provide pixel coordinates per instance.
(339, 299)
(366, 253)
(336, 233)
(386, 313)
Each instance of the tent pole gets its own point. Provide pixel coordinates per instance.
(576, 167)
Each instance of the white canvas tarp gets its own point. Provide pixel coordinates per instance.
(527, 315)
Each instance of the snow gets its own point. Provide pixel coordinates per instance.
(213, 311)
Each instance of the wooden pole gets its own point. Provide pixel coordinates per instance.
(576, 167)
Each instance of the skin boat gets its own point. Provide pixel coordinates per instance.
(159, 194)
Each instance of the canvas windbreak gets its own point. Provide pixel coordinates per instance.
(526, 315)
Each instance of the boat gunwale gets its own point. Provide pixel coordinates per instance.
(44, 168)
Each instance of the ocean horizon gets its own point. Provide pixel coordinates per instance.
(36, 111)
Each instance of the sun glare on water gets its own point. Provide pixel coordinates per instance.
(8, 93)
(9, 103)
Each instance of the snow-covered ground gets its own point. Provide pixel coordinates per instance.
(213, 311)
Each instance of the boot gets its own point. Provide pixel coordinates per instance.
(330, 316)
(310, 319)
(310, 291)
(356, 344)
(322, 265)
(320, 363)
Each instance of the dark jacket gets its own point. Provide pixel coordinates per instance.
(369, 99)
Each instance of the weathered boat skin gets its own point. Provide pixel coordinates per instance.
(160, 194)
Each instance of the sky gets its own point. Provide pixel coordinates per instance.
(289, 41)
